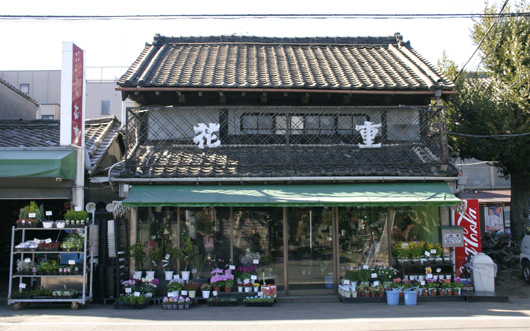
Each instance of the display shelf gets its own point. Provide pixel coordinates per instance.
(83, 278)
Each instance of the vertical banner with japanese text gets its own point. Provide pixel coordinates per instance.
(77, 96)
(470, 221)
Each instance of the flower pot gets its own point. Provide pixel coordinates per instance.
(137, 274)
(217, 288)
(240, 289)
(181, 306)
(228, 289)
(247, 289)
(186, 306)
(173, 294)
(150, 274)
(185, 275)
(192, 294)
(205, 294)
(256, 288)
(169, 275)
(441, 292)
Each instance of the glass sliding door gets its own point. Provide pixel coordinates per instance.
(310, 253)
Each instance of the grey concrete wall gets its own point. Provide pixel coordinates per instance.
(15, 106)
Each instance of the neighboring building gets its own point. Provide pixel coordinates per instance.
(102, 99)
(14, 104)
(308, 155)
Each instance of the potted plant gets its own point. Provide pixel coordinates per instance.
(191, 287)
(206, 289)
(187, 254)
(174, 287)
(228, 284)
(240, 287)
(73, 242)
(248, 287)
(457, 286)
(137, 253)
(432, 285)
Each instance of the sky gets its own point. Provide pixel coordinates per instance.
(37, 45)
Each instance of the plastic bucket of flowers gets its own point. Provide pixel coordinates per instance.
(411, 296)
(392, 296)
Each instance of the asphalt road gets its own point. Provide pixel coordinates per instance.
(283, 316)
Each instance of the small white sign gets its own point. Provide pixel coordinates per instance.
(374, 275)
(184, 292)
(214, 293)
(168, 256)
(376, 283)
(365, 267)
(48, 241)
(429, 276)
(232, 267)
(253, 277)
(427, 254)
(128, 290)
(346, 282)
(193, 271)
(32, 215)
(36, 240)
(48, 213)
(422, 282)
(330, 238)
(438, 270)
(256, 261)
(78, 208)
(260, 294)
(136, 294)
(27, 260)
(433, 251)
(71, 261)
(404, 245)
(22, 285)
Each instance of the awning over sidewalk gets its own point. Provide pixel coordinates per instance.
(380, 194)
(38, 163)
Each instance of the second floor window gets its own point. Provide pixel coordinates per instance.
(105, 107)
(24, 88)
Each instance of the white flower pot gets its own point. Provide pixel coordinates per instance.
(247, 289)
(137, 274)
(185, 275)
(169, 275)
(205, 294)
(240, 289)
(150, 274)
(256, 288)
(192, 294)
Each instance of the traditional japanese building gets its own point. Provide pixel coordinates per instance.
(308, 154)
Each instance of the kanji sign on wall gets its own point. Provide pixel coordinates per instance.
(77, 95)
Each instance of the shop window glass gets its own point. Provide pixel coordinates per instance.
(258, 234)
(416, 224)
(363, 237)
(209, 230)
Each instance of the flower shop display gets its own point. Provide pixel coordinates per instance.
(248, 287)
(75, 219)
(73, 242)
(256, 287)
(222, 302)
(130, 301)
(205, 290)
(256, 301)
(174, 287)
(219, 278)
(228, 284)
(191, 288)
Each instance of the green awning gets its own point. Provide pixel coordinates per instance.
(380, 194)
(38, 163)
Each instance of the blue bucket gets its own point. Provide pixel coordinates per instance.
(411, 297)
(392, 298)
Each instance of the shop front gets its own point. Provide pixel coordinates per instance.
(302, 237)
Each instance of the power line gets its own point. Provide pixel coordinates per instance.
(253, 16)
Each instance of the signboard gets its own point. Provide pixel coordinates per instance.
(452, 236)
(469, 220)
(77, 96)
(494, 219)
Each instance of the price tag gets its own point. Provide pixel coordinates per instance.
(438, 270)
(184, 292)
(71, 261)
(27, 260)
(253, 277)
(22, 285)
(365, 267)
(404, 245)
(330, 238)
(433, 251)
(36, 240)
(374, 275)
(256, 261)
(232, 267)
(429, 276)
(422, 282)
(128, 290)
(168, 256)
(214, 293)
(48, 213)
(346, 282)
(193, 271)
(260, 294)
(376, 283)
(78, 208)
(32, 215)
(136, 294)
(48, 241)
(427, 254)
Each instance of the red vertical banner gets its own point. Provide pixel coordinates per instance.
(77, 96)
(470, 221)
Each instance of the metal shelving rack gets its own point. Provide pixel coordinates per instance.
(86, 271)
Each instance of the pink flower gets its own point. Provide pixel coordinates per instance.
(397, 280)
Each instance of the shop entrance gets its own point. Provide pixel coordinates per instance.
(310, 254)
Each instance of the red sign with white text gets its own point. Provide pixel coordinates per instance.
(470, 221)
(77, 96)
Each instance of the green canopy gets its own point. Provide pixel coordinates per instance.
(38, 163)
(377, 194)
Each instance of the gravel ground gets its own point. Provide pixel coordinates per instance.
(512, 284)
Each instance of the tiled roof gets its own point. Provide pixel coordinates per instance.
(32, 133)
(100, 133)
(349, 63)
(271, 161)
(24, 95)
